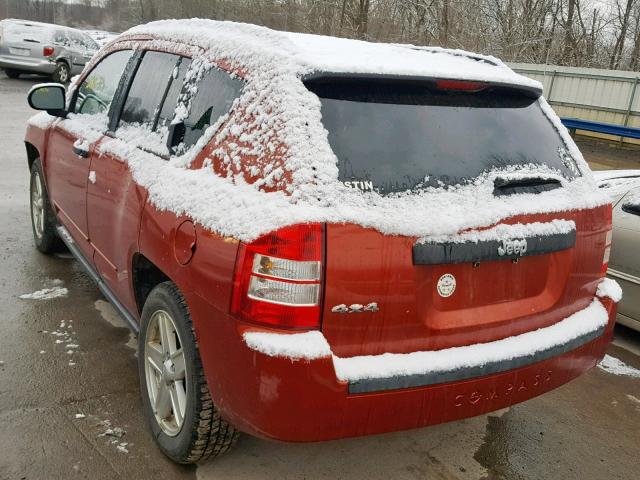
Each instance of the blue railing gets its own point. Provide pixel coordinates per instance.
(574, 124)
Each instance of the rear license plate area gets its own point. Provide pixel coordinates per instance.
(22, 52)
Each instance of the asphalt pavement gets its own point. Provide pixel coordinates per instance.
(69, 395)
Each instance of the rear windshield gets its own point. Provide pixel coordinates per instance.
(406, 136)
(18, 33)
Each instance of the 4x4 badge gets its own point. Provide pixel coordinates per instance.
(355, 308)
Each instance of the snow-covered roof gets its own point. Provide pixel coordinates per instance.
(277, 166)
(308, 53)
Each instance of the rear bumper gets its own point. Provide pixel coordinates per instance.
(27, 64)
(303, 400)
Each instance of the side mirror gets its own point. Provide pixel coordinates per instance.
(632, 208)
(49, 97)
(176, 135)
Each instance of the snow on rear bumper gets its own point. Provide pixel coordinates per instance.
(392, 371)
(282, 390)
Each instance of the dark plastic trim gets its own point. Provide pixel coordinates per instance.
(131, 321)
(423, 380)
(451, 253)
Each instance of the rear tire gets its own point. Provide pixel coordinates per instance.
(172, 380)
(43, 220)
(11, 73)
(61, 74)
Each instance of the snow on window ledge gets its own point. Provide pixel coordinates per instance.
(313, 345)
(609, 288)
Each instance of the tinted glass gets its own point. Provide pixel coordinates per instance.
(149, 88)
(167, 111)
(393, 138)
(215, 94)
(96, 92)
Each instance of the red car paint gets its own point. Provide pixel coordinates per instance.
(112, 222)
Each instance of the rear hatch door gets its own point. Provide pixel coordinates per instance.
(387, 293)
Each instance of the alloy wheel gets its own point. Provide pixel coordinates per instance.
(37, 205)
(166, 374)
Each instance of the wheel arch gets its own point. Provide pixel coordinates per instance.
(32, 153)
(145, 275)
(65, 61)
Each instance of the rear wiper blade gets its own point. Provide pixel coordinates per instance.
(509, 186)
(31, 40)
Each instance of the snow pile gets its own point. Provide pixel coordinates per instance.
(296, 346)
(46, 294)
(56, 290)
(617, 367)
(609, 288)
(66, 338)
(114, 434)
(289, 173)
(506, 231)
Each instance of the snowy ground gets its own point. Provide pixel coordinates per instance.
(69, 399)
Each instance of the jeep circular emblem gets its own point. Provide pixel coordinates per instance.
(446, 285)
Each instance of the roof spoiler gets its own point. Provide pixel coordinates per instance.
(329, 77)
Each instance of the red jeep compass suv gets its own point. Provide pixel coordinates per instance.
(309, 233)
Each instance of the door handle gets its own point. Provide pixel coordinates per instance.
(81, 152)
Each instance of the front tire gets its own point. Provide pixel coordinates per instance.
(61, 74)
(176, 400)
(43, 220)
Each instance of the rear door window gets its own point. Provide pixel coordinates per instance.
(397, 137)
(167, 112)
(214, 95)
(81, 43)
(151, 101)
(149, 88)
(96, 92)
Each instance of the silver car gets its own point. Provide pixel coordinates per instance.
(34, 47)
(624, 264)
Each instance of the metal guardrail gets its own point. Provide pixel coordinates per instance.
(574, 124)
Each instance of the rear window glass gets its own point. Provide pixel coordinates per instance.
(405, 136)
(18, 32)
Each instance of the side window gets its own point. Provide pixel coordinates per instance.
(169, 106)
(96, 92)
(59, 38)
(149, 88)
(213, 98)
(82, 42)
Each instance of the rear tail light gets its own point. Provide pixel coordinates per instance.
(47, 51)
(607, 244)
(278, 278)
